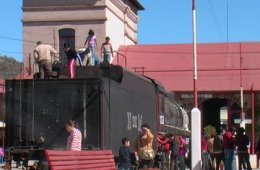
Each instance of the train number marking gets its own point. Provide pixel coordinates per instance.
(134, 121)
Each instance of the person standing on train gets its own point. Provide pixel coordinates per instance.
(71, 58)
(75, 138)
(144, 147)
(107, 51)
(91, 42)
(42, 56)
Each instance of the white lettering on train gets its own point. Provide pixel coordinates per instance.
(134, 121)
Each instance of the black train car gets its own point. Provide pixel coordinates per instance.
(107, 103)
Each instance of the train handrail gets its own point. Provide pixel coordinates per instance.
(118, 55)
(177, 130)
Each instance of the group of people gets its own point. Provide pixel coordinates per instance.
(144, 153)
(143, 147)
(219, 150)
(89, 57)
(172, 150)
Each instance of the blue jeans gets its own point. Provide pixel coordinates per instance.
(182, 162)
(230, 162)
(107, 58)
(124, 167)
(94, 60)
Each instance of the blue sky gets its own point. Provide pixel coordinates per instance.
(162, 22)
(170, 21)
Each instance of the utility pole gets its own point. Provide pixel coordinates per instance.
(195, 113)
(195, 75)
(242, 114)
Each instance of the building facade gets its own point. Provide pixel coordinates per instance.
(222, 69)
(56, 22)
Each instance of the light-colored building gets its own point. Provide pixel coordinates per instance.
(59, 21)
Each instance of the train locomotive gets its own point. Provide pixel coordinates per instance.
(108, 103)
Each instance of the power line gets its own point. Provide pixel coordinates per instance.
(215, 18)
(10, 52)
(16, 39)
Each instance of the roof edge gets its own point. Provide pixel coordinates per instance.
(137, 4)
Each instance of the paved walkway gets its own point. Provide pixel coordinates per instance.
(252, 160)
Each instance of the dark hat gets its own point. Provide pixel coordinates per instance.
(145, 125)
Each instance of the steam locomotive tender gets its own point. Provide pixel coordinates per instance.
(107, 102)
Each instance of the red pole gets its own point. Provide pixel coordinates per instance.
(253, 119)
(242, 115)
(194, 54)
(117, 58)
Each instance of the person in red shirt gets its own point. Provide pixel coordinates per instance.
(229, 149)
(182, 152)
(204, 154)
(164, 141)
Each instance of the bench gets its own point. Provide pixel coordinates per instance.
(71, 160)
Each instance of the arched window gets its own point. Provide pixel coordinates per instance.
(66, 35)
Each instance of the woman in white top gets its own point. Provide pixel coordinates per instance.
(107, 51)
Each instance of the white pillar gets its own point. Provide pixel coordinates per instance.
(195, 139)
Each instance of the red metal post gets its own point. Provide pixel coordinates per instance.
(117, 58)
(242, 115)
(125, 61)
(194, 53)
(253, 119)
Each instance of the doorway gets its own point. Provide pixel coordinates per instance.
(215, 112)
(66, 35)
